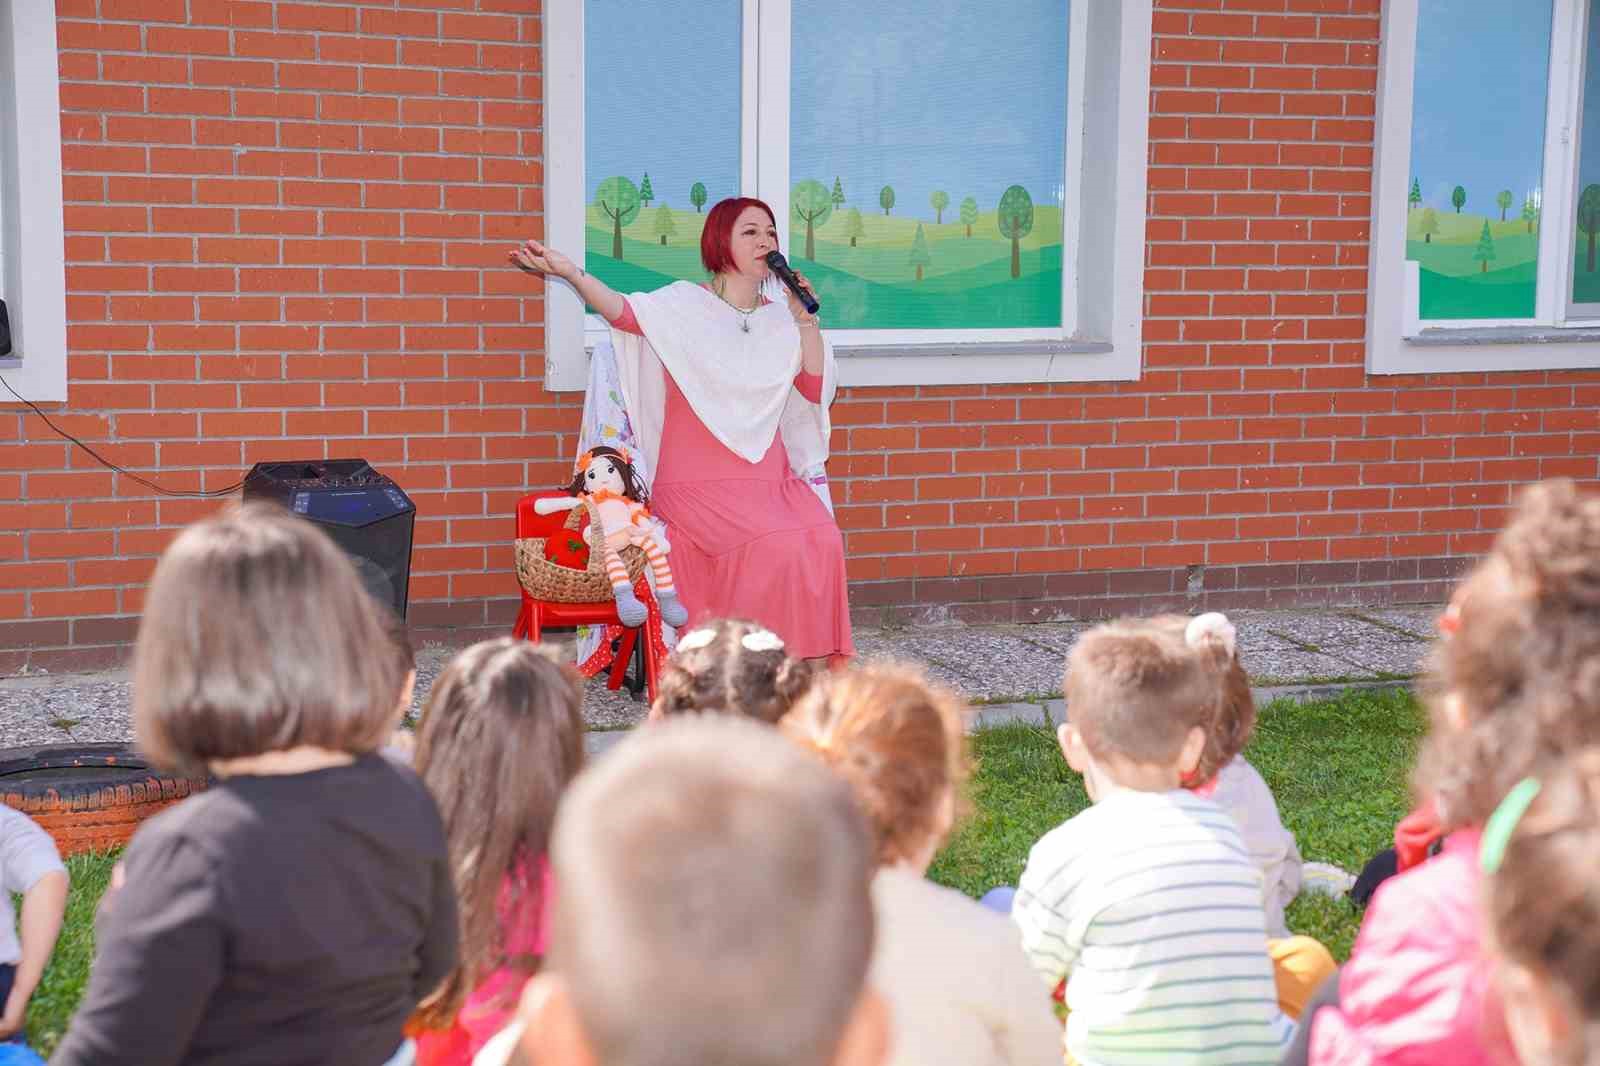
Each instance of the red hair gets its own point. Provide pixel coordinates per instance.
(716, 239)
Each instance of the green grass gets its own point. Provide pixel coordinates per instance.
(1339, 769)
(62, 987)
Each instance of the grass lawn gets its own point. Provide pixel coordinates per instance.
(1339, 769)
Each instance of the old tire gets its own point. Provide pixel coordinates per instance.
(88, 797)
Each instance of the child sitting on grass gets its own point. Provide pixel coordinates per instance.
(1147, 902)
(961, 991)
(500, 739)
(1543, 892)
(1513, 683)
(730, 666)
(297, 910)
(714, 910)
(30, 867)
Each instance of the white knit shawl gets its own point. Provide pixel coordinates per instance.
(741, 385)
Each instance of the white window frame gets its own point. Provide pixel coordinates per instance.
(1398, 341)
(1103, 272)
(32, 243)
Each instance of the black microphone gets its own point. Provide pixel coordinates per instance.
(780, 266)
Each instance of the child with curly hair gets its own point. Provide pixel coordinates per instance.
(1543, 894)
(1512, 684)
(731, 666)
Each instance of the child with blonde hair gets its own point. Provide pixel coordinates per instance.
(959, 987)
(500, 740)
(1513, 684)
(730, 666)
(298, 909)
(1147, 902)
(1543, 894)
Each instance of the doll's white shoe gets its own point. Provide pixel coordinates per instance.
(673, 612)
(629, 609)
(1325, 879)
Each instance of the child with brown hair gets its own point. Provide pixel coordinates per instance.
(958, 985)
(1512, 685)
(730, 666)
(1543, 892)
(1147, 902)
(297, 910)
(714, 909)
(500, 739)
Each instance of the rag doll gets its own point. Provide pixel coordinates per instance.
(605, 482)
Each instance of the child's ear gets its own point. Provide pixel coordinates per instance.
(869, 1037)
(1455, 711)
(552, 1031)
(1072, 747)
(1535, 1020)
(1194, 745)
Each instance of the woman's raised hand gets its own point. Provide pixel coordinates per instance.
(535, 258)
(796, 308)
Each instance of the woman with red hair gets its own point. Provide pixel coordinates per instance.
(728, 392)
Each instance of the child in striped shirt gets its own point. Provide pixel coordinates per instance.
(1148, 902)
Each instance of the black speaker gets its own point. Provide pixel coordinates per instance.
(364, 512)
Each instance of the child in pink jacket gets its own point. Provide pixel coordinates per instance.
(1513, 682)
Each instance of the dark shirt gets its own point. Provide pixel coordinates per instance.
(273, 920)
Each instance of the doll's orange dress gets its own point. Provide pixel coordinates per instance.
(749, 540)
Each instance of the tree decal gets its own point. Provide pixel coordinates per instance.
(1503, 200)
(939, 201)
(838, 194)
(1416, 194)
(618, 200)
(646, 193)
(1530, 212)
(886, 198)
(1485, 250)
(1459, 198)
(1429, 225)
(1589, 220)
(661, 223)
(697, 196)
(969, 213)
(812, 205)
(1014, 216)
(919, 252)
(852, 225)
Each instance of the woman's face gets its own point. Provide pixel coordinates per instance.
(753, 237)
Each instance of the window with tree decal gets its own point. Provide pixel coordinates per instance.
(928, 209)
(1486, 206)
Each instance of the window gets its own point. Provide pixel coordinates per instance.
(926, 164)
(32, 272)
(1486, 197)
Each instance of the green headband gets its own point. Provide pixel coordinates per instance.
(1503, 822)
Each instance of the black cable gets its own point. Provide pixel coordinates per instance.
(103, 461)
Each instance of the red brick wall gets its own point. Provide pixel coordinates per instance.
(285, 233)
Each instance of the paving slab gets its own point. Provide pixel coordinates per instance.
(992, 714)
(989, 664)
(1420, 622)
(1362, 643)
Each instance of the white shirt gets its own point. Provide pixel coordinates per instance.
(954, 975)
(1241, 792)
(26, 854)
(1148, 903)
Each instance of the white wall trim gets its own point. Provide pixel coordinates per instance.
(32, 241)
(1103, 268)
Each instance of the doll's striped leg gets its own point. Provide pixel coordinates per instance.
(673, 613)
(629, 609)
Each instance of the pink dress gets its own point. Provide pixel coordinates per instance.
(749, 540)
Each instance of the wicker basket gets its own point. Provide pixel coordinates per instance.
(544, 580)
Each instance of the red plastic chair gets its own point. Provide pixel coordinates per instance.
(536, 614)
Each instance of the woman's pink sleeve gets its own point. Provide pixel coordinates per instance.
(625, 321)
(810, 386)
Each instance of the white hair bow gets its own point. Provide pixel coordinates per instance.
(1213, 625)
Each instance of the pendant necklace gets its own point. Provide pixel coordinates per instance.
(744, 316)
